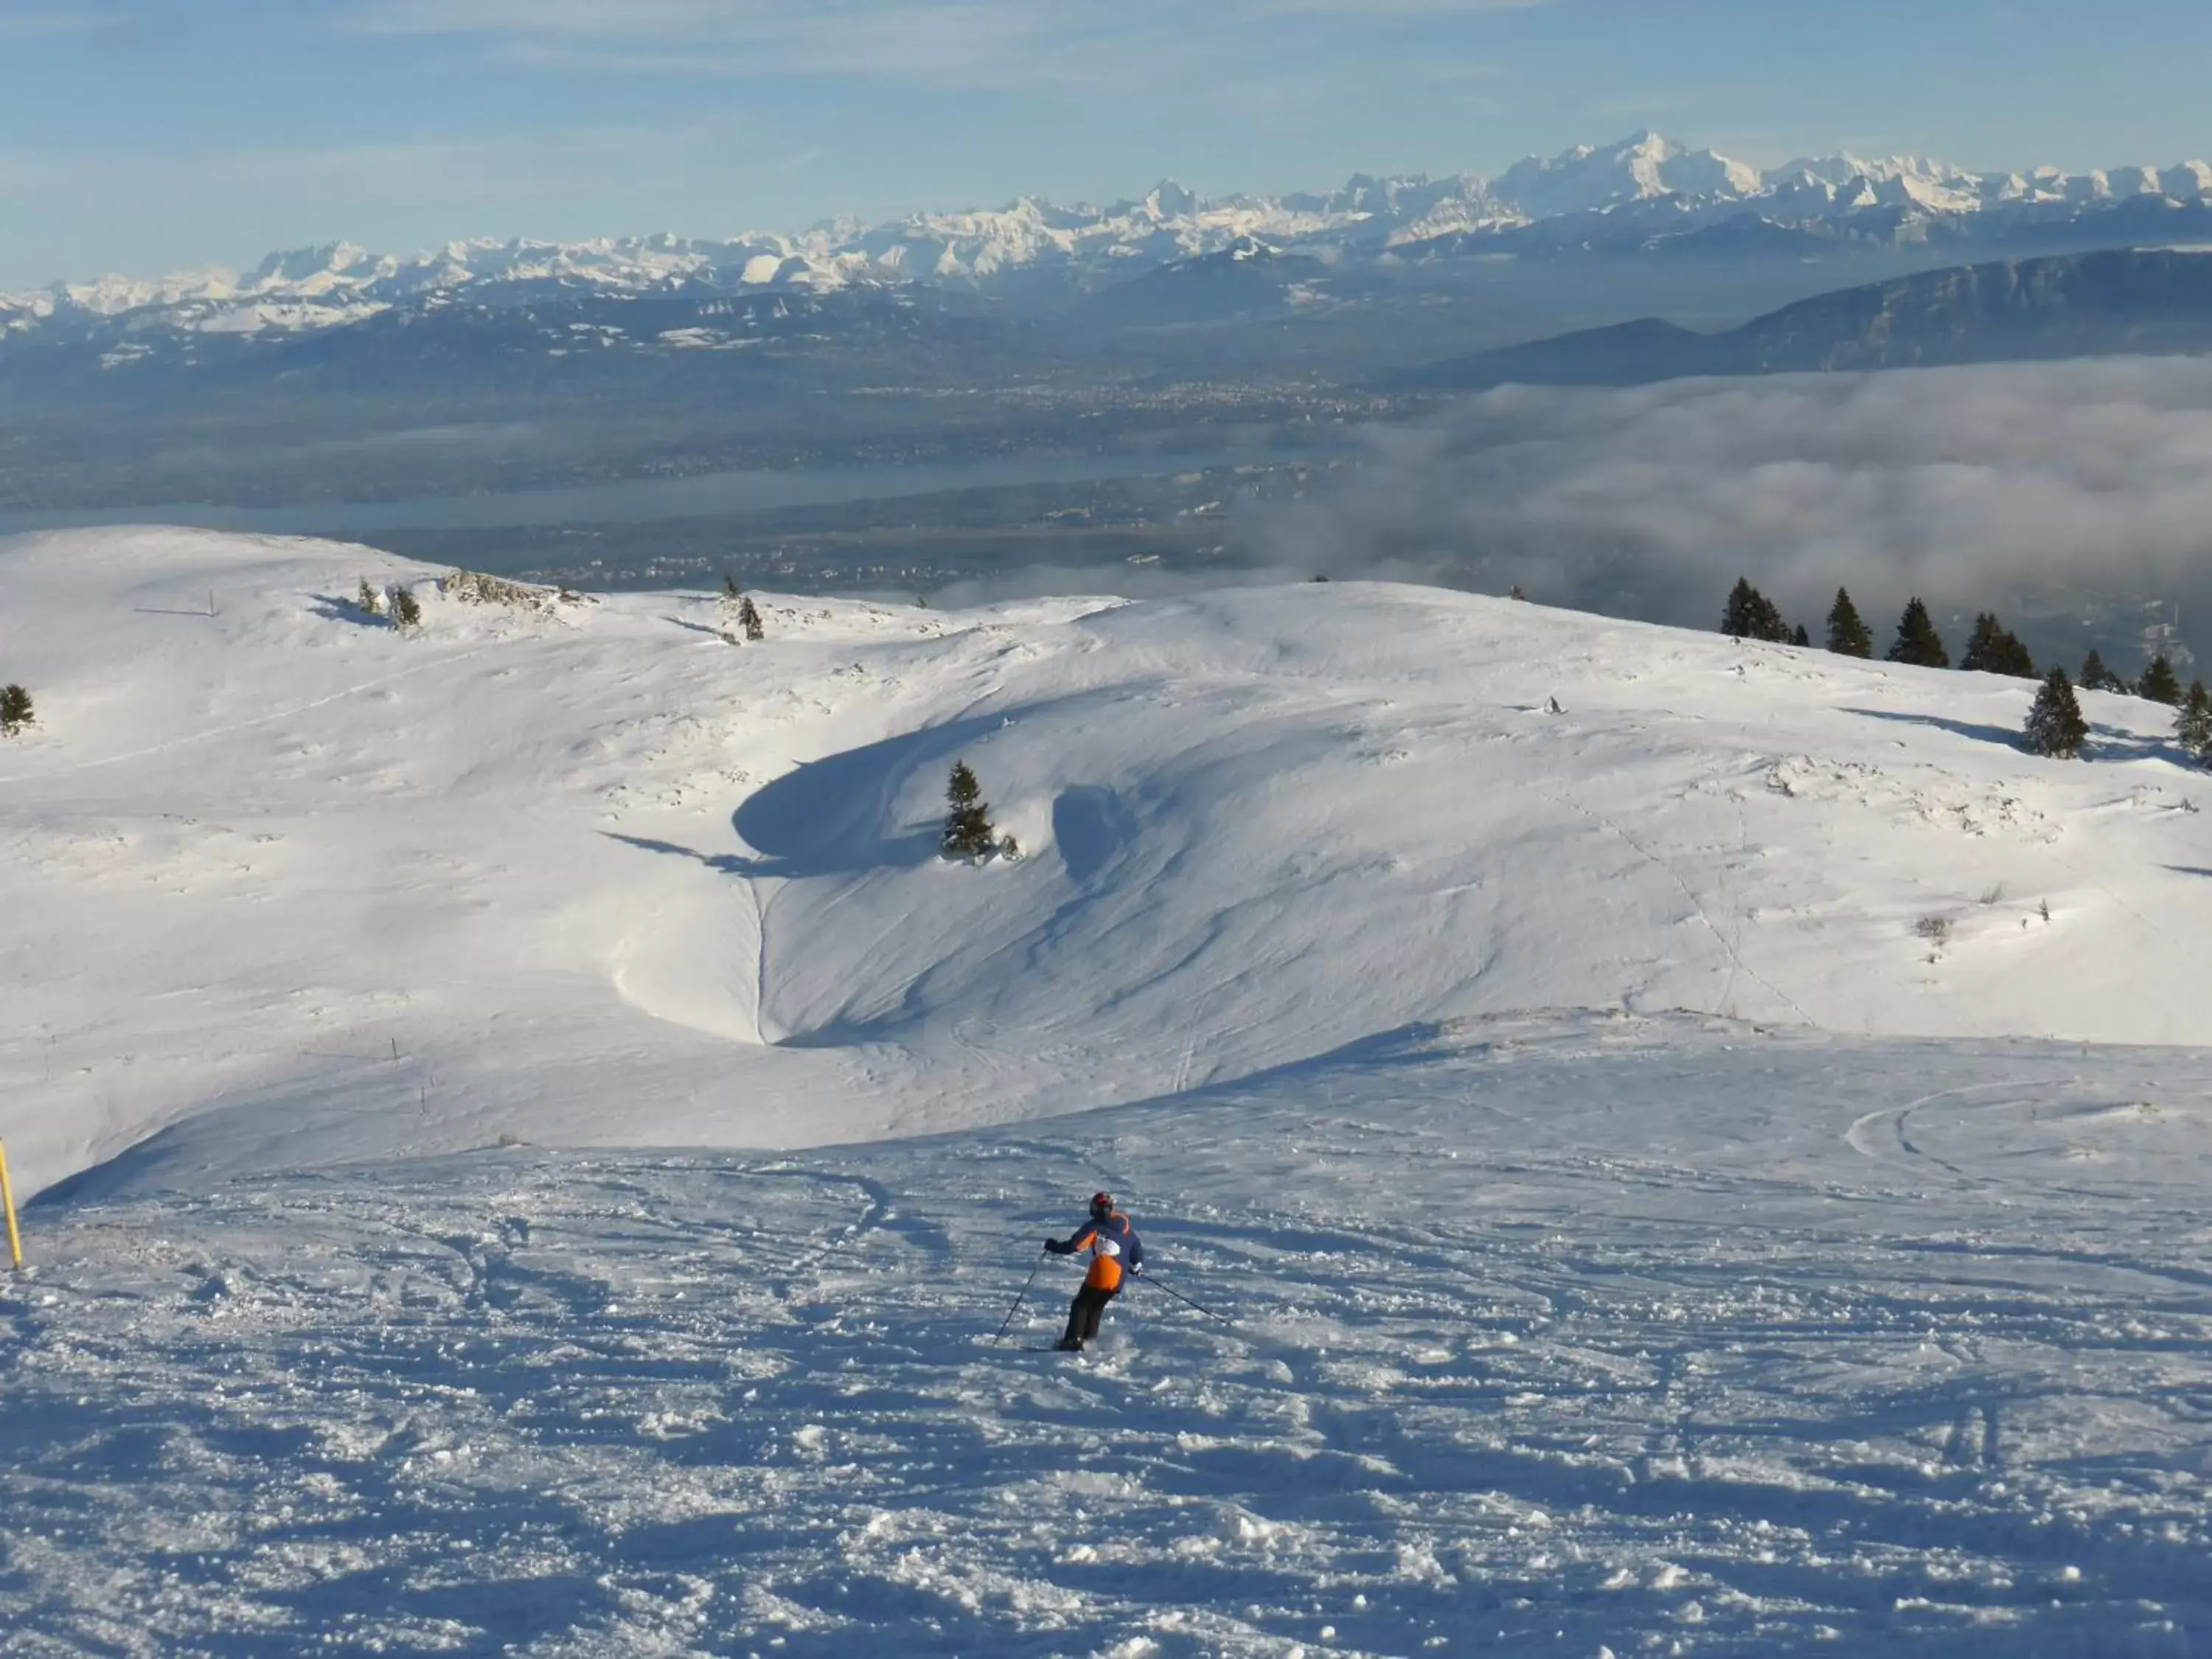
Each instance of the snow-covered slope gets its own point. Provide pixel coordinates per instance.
(1499, 1020)
(304, 888)
(1549, 1337)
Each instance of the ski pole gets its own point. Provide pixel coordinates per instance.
(1147, 1279)
(7, 1203)
(1018, 1295)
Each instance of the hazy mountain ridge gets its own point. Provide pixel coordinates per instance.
(2078, 305)
(1643, 196)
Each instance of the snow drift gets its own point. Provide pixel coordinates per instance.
(289, 885)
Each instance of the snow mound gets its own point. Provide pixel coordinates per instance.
(293, 886)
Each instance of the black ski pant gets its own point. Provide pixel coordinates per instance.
(1083, 1315)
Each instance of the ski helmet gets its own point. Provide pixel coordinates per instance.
(1101, 1204)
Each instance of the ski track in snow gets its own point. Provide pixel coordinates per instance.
(1603, 1371)
(1731, 943)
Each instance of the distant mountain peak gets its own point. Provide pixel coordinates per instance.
(1170, 200)
(1640, 167)
(1642, 193)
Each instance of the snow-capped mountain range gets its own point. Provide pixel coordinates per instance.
(1644, 194)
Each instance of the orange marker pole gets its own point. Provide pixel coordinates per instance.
(7, 1203)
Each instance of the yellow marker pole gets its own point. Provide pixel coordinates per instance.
(7, 1203)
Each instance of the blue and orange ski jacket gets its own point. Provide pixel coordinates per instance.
(1114, 1246)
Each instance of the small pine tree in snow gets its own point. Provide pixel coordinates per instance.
(369, 599)
(2192, 726)
(1848, 635)
(2055, 726)
(1918, 644)
(2095, 676)
(2160, 684)
(406, 610)
(749, 618)
(1801, 639)
(731, 590)
(968, 824)
(1750, 615)
(15, 711)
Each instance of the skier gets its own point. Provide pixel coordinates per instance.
(1114, 1249)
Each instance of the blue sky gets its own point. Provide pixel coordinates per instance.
(139, 135)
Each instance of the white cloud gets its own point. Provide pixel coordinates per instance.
(465, 170)
(40, 22)
(962, 42)
(2018, 485)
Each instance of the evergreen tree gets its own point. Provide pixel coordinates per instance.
(1769, 625)
(406, 610)
(2192, 726)
(1750, 615)
(2055, 726)
(968, 824)
(1800, 638)
(1737, 616)
(15, 711)
(1917, 642)
(749, 618)
(1979, 644)
(369, 599)
(2095, 676)
(1847, 636)
(2160, 684)
(731, 592)
(1994, 649)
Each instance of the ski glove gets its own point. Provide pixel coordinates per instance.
(1058, 1247)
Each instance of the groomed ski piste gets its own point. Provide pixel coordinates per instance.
(1678, 1146)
